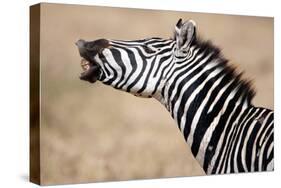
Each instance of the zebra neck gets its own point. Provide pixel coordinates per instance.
(200, 96)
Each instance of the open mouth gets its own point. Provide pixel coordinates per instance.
(91, 71)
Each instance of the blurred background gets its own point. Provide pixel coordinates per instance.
(92, 132)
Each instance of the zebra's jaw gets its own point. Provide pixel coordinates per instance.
(91, 71)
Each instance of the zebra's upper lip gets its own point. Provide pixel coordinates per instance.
(91, 71)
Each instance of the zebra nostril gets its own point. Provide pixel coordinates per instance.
(101, 43)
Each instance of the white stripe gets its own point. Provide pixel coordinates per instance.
(219, 148)
(263, 150)
(139, 63)
(151, 82)
(163, 64)
(191, 99)
(171, 80)
(206, 138)
(189, 82)
(219, 96)
(255, 144)
(262, 138)
(179, 80)
(244, 107)
(229, 133)
(239, 137)
(102, 64)
(249, 131)
(228, 160)
(109, 57)
(214, 125)
(126, 61)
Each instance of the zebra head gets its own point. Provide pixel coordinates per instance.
(140, 67)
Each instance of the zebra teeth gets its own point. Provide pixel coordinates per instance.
(86, 67)
(85, 64)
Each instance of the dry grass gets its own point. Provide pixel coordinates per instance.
(95, 133)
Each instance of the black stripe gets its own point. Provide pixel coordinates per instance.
(105, 69)
(232, 134)
(117, 57)
(147, 77)
(163, 59)
(196, 102)
(161, 45)
(171, 88)
(133, 62)
(258, 147)
(201, 125)
(271, 155)
(210, 153)
(215, 137)
(251, 142)
(183, 82)
(246, 127)
(231, 146)
(243, 118)
(155, 40)
(109, 82)
(265, 160)
(140, 74)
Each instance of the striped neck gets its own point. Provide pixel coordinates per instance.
(200, 92)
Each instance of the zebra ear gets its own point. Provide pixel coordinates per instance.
(185, 33)
(179, 24)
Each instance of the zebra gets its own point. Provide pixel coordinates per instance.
(207, 97)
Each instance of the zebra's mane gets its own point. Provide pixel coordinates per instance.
(209, 48)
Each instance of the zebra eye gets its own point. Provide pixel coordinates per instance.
(148, 49)
(185, 51)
